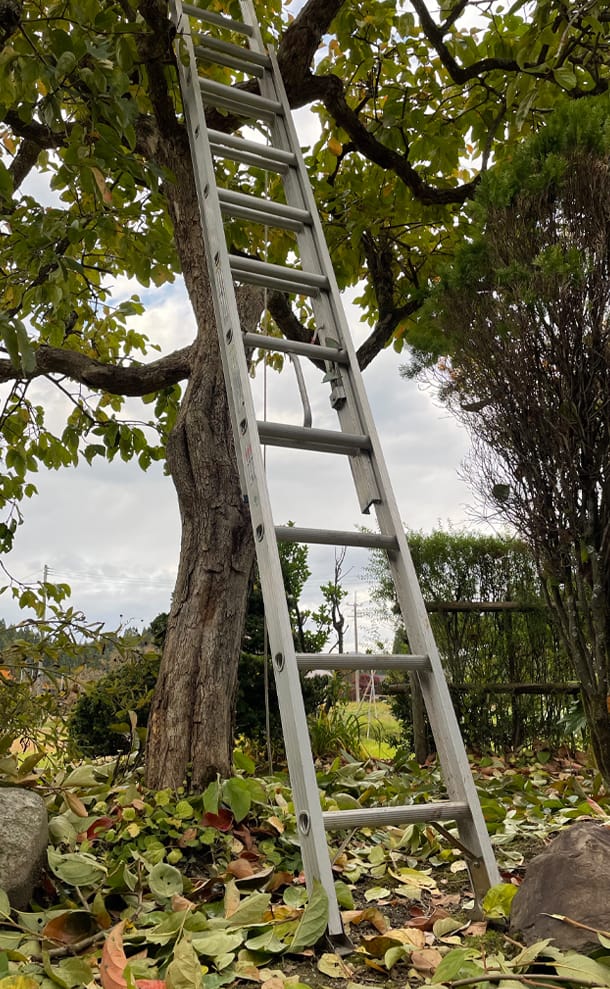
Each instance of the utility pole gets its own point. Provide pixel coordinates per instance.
(356, 672)
(37, 684)
(45, 578)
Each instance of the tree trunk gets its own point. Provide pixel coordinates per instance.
(190, 730)
(598, 720)
(418, 715)
(192, 717)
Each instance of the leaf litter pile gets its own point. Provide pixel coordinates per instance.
(166, 889)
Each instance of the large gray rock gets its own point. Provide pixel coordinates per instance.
(572, 878)
(24, 836)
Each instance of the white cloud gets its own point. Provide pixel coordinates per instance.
(113, 532)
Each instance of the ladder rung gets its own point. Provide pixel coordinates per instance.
(305, 438)
(334, 537)
(382, 817)
(239, 101)
(264, 211)
(281, 344)
(250, 152)
(218, 20)
(356, 661)
(208, 53)
(235, 51)
(255, 272)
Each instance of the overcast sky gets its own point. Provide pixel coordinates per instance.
(112, 531)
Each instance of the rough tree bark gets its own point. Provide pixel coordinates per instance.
(192, 713)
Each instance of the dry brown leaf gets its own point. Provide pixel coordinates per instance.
(426, 961)
(71, 927)
(276, 823)
(476, 929)
(114, 959)
(447, 899)
(371, 963)
(248, 971)
(407, 935)
(425, 922)
(187, 836)
(232, 898)
(240, 868)
(279, 879)
(334, 966)
(275, 982)
(100, 182)
(75, 804)
(181, 903)
(369, 915)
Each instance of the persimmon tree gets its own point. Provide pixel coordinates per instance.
(412, 106)
(525, 316)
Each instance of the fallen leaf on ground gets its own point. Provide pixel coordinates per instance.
(371, 915)
(240, 868)
(426, 961)
(114, 959)
(332, 965)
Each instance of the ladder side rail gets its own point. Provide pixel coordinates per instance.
(327, 306)
(306, 795)
(452, 756)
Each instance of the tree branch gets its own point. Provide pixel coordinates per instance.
(331, 90)
(458, 73)
(116, 379)
(299, 44)
(383, 331)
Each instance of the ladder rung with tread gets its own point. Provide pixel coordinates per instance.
(356, 438)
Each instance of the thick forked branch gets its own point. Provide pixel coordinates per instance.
(331, 90)
(298, 47)
(116, 379)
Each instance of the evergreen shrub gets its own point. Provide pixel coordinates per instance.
(130, 687)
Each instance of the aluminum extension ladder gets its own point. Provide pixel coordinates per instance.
(207, 40)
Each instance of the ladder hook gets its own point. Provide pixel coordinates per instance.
(298, 370)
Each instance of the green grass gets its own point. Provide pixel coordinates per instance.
(378, 724)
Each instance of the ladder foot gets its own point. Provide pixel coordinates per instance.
(339, 944)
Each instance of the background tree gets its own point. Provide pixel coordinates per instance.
(410, 107)
(493, 627)
(525, 314)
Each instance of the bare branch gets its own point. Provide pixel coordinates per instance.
(116, 379)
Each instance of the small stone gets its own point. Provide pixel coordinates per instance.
(25, 835)
(570, 878)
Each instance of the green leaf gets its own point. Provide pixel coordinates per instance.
(5, 906)
(573, 965)
(213, 944)
(243, 762)
(165, 881)
(250, 911)
(236, 795)
(76, 869)
(565, 76)
(184, 970)
(452, 964)
(314, 921)
(498, 900)
(344, 895)
(211, 797)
